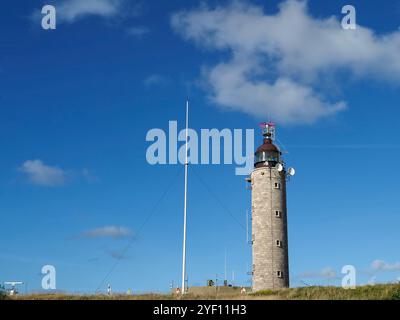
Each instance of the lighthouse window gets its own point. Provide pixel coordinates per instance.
(277, 185)
(278, 214)
(279, 274)
(279, 243)
(263, 156)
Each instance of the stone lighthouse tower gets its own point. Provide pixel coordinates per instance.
(269, 215)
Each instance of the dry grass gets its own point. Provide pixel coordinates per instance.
(369, 292)
(60, 296)
(376, 292)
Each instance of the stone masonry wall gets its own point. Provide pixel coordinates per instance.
(267, 229)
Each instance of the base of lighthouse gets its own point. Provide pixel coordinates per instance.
(269, 229)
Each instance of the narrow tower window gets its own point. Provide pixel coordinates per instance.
(277, 185)
(279, 243)
(278, 214)
(279, 274)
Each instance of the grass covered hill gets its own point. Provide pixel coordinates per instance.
(370, 292)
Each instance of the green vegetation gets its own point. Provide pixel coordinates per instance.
(369, 292)
(60, 296)
(396, 294)
(3, 294)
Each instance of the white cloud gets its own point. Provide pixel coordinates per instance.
(326, 273)
(138, 31)
(108, 232)
(284, 100)
(155, 79)
(71, 10)
(380, 265)
(277, 62)
(43, 175)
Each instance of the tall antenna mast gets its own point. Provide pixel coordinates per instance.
(185, 201)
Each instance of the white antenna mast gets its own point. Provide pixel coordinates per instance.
(185, 201)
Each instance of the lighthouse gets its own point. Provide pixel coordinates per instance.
(269, 241)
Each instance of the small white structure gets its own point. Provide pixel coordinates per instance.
(12, 291)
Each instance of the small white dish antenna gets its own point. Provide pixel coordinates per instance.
(279, 167)
(291, 171)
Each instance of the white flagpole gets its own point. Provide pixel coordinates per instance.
(185, 202)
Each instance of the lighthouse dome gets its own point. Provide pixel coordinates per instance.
(267, 154)
(267, 146)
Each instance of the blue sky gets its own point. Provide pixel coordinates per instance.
(76, 104)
